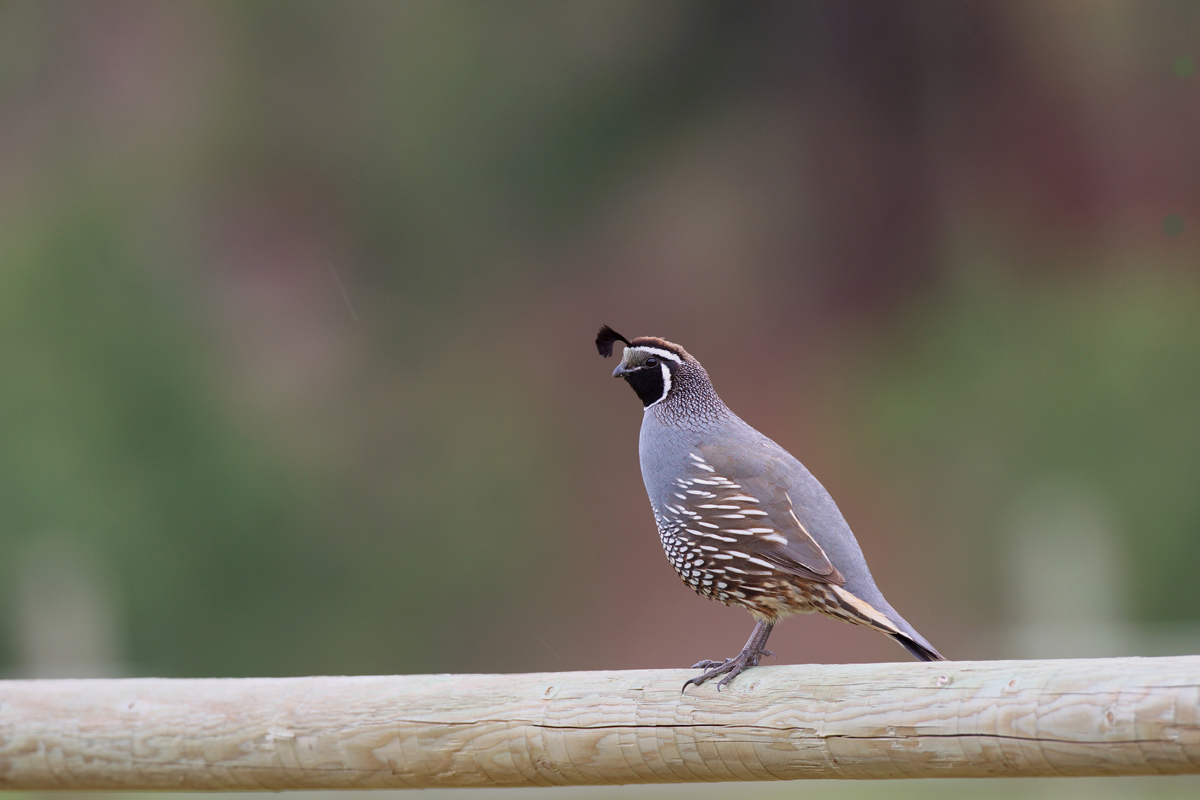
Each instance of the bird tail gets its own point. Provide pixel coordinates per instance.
(863, 613)
(920, 651)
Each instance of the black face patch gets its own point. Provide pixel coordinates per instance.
(647, 381)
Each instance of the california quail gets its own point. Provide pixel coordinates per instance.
(743, 521)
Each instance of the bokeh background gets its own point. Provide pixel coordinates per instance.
(298, 298)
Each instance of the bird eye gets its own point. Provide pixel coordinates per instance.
(651, 362)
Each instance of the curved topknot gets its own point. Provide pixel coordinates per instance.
(605, 339)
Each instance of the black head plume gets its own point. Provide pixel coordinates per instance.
(605, 339)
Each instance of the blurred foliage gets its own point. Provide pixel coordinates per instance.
(412, 132)
(449, 131)
(1001, 382)
(114, 432)
(440, 477)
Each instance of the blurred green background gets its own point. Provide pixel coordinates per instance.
(298, 299)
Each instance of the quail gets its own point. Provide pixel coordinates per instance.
(742, 521)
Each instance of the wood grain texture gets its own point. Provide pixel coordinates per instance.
(1128, 716)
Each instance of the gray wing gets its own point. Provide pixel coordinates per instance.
(749, 500)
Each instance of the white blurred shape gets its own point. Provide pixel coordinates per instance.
(1066, 578)
(65, 622)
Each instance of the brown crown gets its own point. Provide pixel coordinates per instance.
(661, 344)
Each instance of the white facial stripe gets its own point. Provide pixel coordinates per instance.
(658, 352)
(666, 372)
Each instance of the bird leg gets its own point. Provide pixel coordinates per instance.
(751, 653)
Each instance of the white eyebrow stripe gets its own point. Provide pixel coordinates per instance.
(658, 352)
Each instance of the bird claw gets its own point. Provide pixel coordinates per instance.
(730, 668)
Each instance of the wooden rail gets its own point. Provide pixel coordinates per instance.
(1127, 716)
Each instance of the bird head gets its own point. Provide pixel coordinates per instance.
(648, 364)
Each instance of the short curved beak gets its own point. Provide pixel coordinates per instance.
(620, 371)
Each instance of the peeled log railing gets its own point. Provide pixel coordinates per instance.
(1122, 716)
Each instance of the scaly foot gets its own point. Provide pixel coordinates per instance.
(730, 667)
